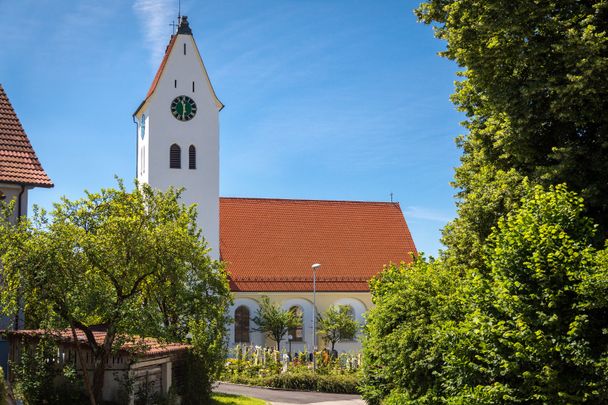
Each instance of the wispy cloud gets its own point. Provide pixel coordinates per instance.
(428, 214)
(155, 16)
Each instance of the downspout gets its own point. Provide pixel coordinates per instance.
(19, 210)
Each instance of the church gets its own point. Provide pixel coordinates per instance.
(268, 245)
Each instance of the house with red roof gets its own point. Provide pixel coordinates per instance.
(20, 171)
(268, 245)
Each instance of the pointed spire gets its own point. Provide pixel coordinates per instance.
(184, 27)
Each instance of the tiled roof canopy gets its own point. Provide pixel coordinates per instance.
(270, 244)
(18, 161)
(142, 346)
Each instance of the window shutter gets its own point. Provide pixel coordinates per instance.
(192, 155)
(175, 157)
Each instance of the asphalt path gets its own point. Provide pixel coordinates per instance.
(279, 397)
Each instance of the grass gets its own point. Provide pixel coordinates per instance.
(228, 399)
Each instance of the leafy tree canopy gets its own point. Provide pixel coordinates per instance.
(133, 262)
(338, 324)
(534, 89)
(274, 321)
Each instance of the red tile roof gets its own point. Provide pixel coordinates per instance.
(270, 244)
(18, 161)
(152, 346)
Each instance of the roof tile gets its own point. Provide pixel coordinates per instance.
(18, 161)
(270, 244)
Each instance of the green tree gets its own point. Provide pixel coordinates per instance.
(337, 325)
(534, 90)
(529, 329)
(404, 343)
(134, 262)
(536, 331)
(273, 320)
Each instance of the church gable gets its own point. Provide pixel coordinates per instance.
(171, 72)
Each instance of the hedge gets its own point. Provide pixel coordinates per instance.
(307, 381)
(3, 389)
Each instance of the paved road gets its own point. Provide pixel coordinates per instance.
(278, 397)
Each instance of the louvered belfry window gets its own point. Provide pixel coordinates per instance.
(192, 157)
(241, 325)
(175, 157)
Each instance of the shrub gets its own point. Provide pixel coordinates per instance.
(39, 378)
(3, 389)
(305, 381)
(527, 328)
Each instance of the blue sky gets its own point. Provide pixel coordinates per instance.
(325, 99)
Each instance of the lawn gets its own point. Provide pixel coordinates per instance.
(227, 399)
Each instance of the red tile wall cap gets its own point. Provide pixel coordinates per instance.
(150, 346)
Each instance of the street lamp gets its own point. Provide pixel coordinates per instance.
(315, 267)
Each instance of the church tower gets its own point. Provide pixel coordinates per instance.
(178, 132)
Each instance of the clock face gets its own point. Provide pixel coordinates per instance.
(183, 108)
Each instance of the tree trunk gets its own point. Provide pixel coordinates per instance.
(99, 373)
(85, 373)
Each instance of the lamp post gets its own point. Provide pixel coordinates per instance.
(315, 267)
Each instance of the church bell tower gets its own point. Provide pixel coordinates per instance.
(178, 132)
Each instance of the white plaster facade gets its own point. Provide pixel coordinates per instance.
(360, 302)
(10, 192)
(183, 74)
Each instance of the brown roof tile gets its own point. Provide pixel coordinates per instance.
(18, 161)
(151, 346)
(270, 244)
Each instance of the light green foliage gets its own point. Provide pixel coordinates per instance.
(529, 329)
(537, 328)
(405, 338)
(227, 399)
(534, 89)
(337, 325)
(133, 261)
(273, 320)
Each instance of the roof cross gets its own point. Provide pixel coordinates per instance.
(173, 25)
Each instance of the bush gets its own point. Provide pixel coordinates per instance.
(40, 379)
(304, 381)
(529, 327)
(3, 389)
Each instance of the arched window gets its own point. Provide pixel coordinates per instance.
(192, 156)
(297, 332)
(175, 157)
(241, 325)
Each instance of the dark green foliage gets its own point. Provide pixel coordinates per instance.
(534, 89)
(40, 379)
(3, 389)
(529, 329)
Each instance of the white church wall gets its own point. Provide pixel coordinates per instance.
(255, 338)
(359, 301)
(307, 315)
(163, 129)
